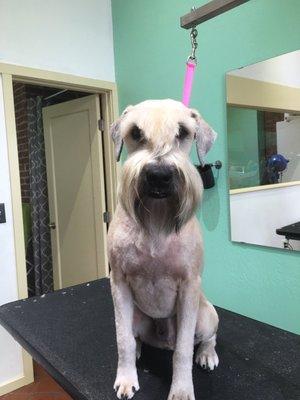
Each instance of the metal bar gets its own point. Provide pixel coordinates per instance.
(208, 11)
(55, 94)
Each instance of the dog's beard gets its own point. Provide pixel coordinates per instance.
(157, 216)
(164, 215)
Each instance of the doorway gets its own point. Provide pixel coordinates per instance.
(109, 105)
(61, 167)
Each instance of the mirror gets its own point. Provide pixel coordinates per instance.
(263, 136)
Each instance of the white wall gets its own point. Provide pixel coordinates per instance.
(72, 36)
(10, 353)
(283, 70)
(255, 216)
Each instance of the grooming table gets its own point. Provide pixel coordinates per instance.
(71, 334)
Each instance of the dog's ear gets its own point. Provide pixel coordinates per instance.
(204, 136)
(116, 134)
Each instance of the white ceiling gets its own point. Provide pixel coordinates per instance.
(283, 70)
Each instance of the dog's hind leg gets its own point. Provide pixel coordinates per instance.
(206, 329)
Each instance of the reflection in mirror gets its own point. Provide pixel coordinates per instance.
(263, 128)
(263, 147)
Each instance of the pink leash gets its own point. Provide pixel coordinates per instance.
(190, 70)
(188, 82)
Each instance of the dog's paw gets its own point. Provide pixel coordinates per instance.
(126, 384)
(207, 359)
(182, 393)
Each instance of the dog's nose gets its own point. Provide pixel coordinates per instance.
(158, 176)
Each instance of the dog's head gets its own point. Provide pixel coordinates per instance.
(159, 185)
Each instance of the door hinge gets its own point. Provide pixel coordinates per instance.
(106, 217)
(101, 124)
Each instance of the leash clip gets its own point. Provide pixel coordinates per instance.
(193, 36)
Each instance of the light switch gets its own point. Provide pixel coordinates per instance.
(2, 213)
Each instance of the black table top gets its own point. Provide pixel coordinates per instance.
(290, 231)
(71, 334)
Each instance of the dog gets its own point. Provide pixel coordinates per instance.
(155, 246)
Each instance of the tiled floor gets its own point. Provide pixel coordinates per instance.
(43, 388)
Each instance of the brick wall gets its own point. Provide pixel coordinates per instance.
(22, 138)
(270, 120)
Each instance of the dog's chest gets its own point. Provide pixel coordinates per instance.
(155, 266)
(153, 271)
(156, 298)
(155, 258)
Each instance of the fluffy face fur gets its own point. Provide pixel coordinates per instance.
(159, 134)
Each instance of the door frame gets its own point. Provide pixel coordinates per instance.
(109, 109)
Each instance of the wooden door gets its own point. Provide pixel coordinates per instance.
(76, 189)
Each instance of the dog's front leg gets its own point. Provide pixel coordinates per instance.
(187, 308)
(127, 380)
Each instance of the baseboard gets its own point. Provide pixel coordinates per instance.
(15, 384)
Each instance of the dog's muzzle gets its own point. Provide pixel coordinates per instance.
(158, 181)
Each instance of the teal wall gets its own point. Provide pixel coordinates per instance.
(243, 148)
(150, 52)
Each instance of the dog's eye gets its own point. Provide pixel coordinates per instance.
(136, 134)
(183, 133)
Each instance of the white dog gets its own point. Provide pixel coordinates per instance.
(155, 245)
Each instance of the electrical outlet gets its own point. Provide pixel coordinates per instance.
(2, 213)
